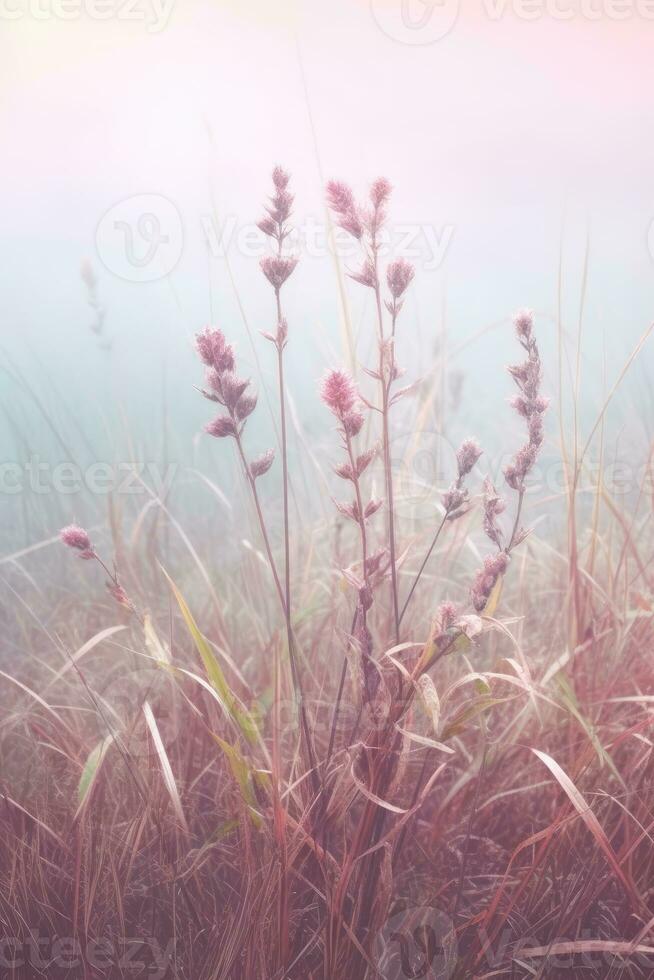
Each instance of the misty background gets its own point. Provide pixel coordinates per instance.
(139, 151)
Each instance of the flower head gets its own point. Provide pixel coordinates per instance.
(366, 275)
(398, 277)
(280, 178)
(494, 566)
(277, 269)
(74, 536)
(244, 407)
(267, 226)
(221, 427)
(262, 463)
(339, 393)
(353, 423)
(380, 191)
(341, 200)
(214, 350)
(529, 403)
(523, 321)
(232, 387)
(445, 616)
(339, 197)
(467, 456)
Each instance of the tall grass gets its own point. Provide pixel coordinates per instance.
(361, 751)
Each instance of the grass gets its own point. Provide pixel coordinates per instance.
(301, 762)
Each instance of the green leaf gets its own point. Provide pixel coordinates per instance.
(494, 598)
(475, 707)
(214, 672)
(91, 770)
(243, 775)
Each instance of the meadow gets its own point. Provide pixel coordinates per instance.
(376, 705)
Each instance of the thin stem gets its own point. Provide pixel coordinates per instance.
(386, 384)
(514, 531)
(262, 523)
(114, 580)
(423, 566)
(361, 521)
(282, 410)
(287, 547)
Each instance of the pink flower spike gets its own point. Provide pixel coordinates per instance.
(467, 456)
(221, 427)
(280, 178)
(380, 191)
(339, 197)
(486, 578)
(232, 387)
(277, 269)
(353, 423)
(214, 350)
(366, 275)
(398, 277)
(338, 392)
(74, 536)
(523, 321)
(262, 463)
(267, 226)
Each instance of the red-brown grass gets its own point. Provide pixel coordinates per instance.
(308, 764)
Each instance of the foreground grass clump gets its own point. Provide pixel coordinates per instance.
(415, 755)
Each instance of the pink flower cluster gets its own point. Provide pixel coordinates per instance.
(494, 566)
(364, 222)
(226, 388)
(529, 403)
(399, 276)
(279, 210)
(456, 497)
(277, 268)
(74, 536)
(339, 393)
